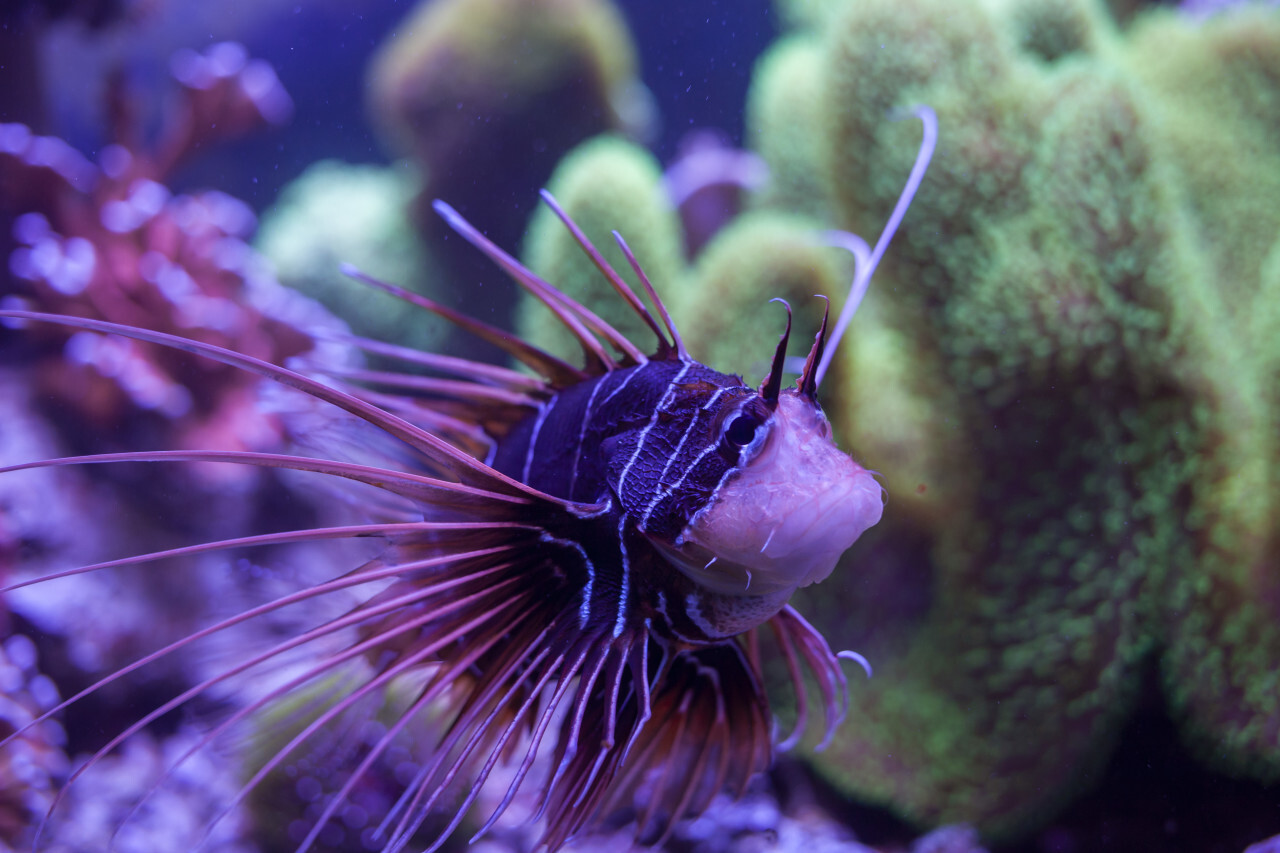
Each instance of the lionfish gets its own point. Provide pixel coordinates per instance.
(596, 553)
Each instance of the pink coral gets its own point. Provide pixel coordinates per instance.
(111, 241)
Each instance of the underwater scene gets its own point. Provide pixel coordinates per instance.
(513, 425)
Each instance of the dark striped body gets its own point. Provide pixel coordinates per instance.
(649, 442)
(587, 564)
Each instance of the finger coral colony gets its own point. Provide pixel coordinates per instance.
(1064, 377)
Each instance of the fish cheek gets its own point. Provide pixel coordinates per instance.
(608, 450)
(622, 467)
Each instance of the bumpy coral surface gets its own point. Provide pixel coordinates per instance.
(1067, 376)
(32, 762)
(720, 300)
(109, 240)
(784, 103)
(337, 213)
(486, 95)
(602, 175)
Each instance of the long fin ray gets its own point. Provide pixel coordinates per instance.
(573, 313)
(561, 374)
(611, 275)
(312, 673)
(652, 293)
(405, 484)
(598, 361)
(429, 694)
(353, 579)
(461, 465)
(288, 537)
(381, 679)
(431, 385)
(554, 298)
(475, 371)
(866, 262)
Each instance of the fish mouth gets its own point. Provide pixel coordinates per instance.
(784, 520)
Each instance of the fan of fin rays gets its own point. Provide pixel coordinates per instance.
(474, 601)
(644, 726)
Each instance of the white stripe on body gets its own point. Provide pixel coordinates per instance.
(543, 411)
(692, 465)
(582, 433)
(624, 592)
(584, 609)
(644, 433)
(693, 608)
(711, 499)
(671, 626)
(662, 493)
(622, 385)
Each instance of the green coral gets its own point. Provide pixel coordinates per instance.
(606, 184)
(1066, 372)
(486, 95)
(337, 213)
(720, 301)
(784, 104)
(1217, 93)
(797, 14)
(1054, 29)
(456, 55)
(1219, 109)
(723, 309)
(1067, 369)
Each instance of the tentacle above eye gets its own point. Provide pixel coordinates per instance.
(772, 385)
(808, 381)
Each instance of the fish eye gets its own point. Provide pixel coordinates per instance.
(741, 430)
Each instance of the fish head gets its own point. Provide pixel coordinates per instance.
(778, 503)
(787, 508)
